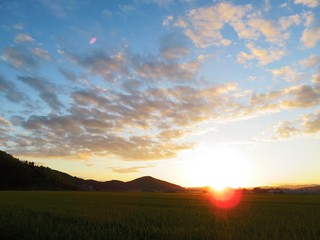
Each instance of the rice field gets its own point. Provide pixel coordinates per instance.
(115, 215)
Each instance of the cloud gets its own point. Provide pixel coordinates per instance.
(10, 90)
(171, 134)
(106, 14)
(145, 124)
(47, 91)
(162, 2)
(19, 58)
(130, 169)
(168, 71)
(293, 97)
(109, 67)
(173, 46)
(286, 22)
(305, 125)
(126, 9)
(311, 123)
(288, 74)
(132, 86)
(23, 38)
(73, 77)
(301, 96)
(167, 20)
(311, 33)
(62, 8)
(309, 3)
(68, 75)
(87, 98)
(3, 121)
(55, 8)
(316, 79)
(41, 53)
(5, 129)
(274, 31)
(286, 130)
(153, 105)
(268, 28)
(18, 26)
(263, 56)
(72, 136)
(310, 62)
(203, 25)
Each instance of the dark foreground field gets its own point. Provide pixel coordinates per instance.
(105, 215)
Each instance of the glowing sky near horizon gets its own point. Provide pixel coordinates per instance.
(220, 93)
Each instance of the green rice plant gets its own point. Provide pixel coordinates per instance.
(115, 215)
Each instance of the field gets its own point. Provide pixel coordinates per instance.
(110, 215)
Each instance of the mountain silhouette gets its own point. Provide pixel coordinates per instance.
(149, 183)
(24, 175)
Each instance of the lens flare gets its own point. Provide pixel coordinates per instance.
(93, 40)
(226, 198)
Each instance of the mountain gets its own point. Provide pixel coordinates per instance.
(313, 188)
(297, 186)
(149, 184)
(16, 174)
(23, 175)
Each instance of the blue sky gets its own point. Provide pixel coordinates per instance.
(195, 92)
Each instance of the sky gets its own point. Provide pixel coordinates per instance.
(198, 93)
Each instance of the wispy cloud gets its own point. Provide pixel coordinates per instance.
(309, 3)
(47, 91)
(285, 130)
(19, 58)
(134, 169)
(301, 96)
(310, 62)
(174, 45)
(61, 8)
(316, 79)
(305, 125)
(167, 20)
(263, 56)
(107, 66)
(18, 26)
(41, 53)
(311, 33)
(4, 121)
(106, 14)
(10, 90)
(23, 38)
(289, 74)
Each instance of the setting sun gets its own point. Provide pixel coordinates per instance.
(218, 168)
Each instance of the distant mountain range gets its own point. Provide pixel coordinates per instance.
(23, 175)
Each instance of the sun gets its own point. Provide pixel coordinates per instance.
(218, 186)
(218, 168)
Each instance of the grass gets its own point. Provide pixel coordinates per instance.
(111, 215)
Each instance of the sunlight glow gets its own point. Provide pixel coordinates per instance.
(218, 168)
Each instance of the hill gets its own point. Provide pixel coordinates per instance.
(16, 174)
(152, 184)
(24, 175)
